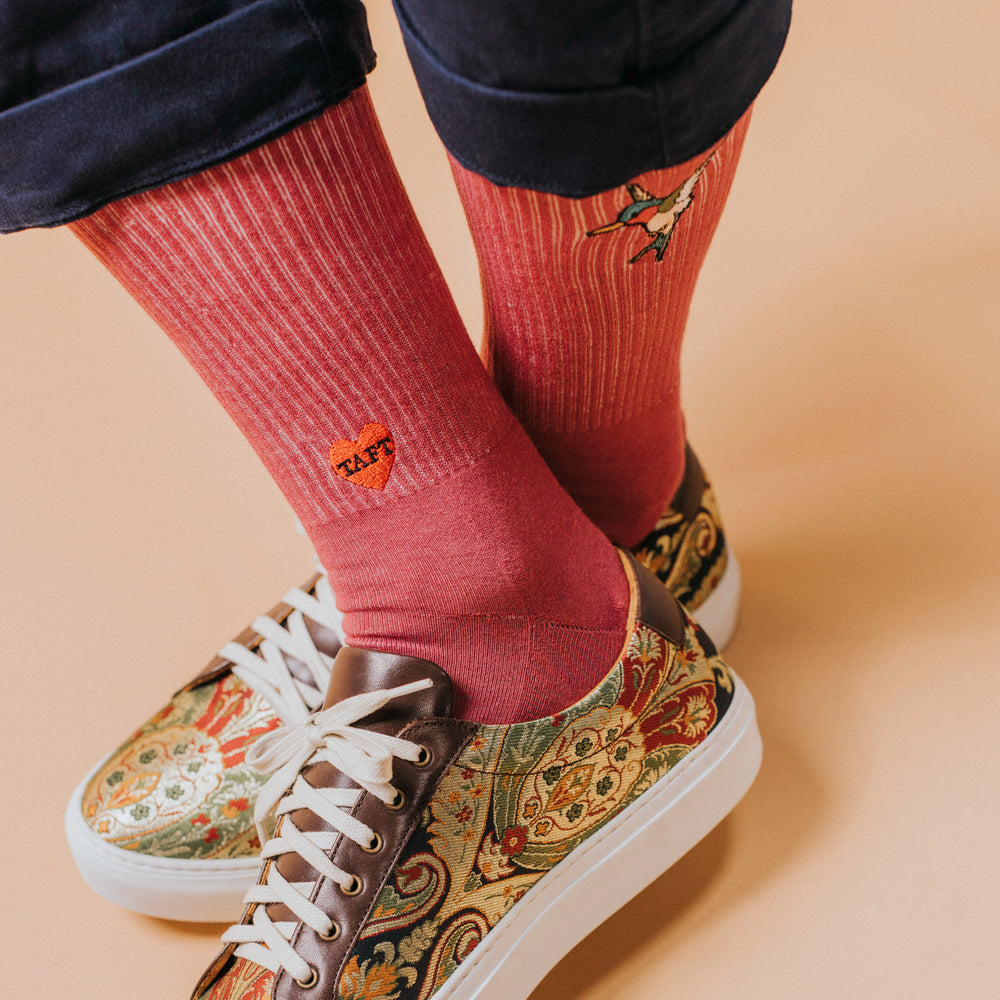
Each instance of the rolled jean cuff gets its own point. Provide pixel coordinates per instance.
(195, 101)
(578, 142)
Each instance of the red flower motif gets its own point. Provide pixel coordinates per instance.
(212, 834)
(406, 876)
(638, 685)
(234, 807)
(681, 720)
(234, 750)
(200, 820)
(514, 840)
(464, 814)
(467, 774)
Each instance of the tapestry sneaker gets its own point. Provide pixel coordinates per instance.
(164, 824)
(417, 855)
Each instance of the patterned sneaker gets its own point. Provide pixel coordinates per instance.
(164, 825)
(420, 856)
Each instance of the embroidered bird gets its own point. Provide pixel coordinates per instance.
(657, 216)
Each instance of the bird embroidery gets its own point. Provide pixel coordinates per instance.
(657, 216)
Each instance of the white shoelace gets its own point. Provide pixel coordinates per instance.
(364, 757)
(266, 670)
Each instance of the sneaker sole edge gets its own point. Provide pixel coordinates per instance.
(616, 864)
(207, 891)
(719, 612)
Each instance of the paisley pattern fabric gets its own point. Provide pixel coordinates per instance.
(244, 981)
(519, 798)
(688, 554)
(179, 787)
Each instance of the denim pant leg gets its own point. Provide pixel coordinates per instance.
(103, 98)
(579, 97)
(100, 99)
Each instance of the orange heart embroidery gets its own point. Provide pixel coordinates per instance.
(367, 461)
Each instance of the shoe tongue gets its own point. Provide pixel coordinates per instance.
(358, 671)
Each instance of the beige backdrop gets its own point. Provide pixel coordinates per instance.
(841, 385)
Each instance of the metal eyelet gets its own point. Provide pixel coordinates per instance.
(426, 756)
(309, 983)
(355, 887)
(375, 846)
(333, 935)
(397, 803)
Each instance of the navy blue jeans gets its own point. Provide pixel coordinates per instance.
(103, 98)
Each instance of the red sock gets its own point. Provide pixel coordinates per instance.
(298, 283)
(583, 327)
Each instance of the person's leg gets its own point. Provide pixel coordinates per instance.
(133, 103)
(583, 334)
(519, 839)
(298, 283)
(290, 269)
(593, 154)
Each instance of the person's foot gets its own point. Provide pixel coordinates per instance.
(164, 824)
(421, 855)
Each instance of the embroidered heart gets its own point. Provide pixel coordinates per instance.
(367, 461)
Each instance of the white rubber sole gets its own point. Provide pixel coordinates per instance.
(720, 610)
(170, 888)
(615, 864)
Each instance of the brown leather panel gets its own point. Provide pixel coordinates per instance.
(657, 606)
(445, 738)
(687, 499)
(356, 671)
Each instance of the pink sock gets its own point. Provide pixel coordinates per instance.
(585, 309)
(298, 283)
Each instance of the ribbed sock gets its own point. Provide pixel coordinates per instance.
(298, 283)
(585, 310)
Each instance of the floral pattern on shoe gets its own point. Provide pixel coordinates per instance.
(179, 787)
(245, 981)
(519, 798)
